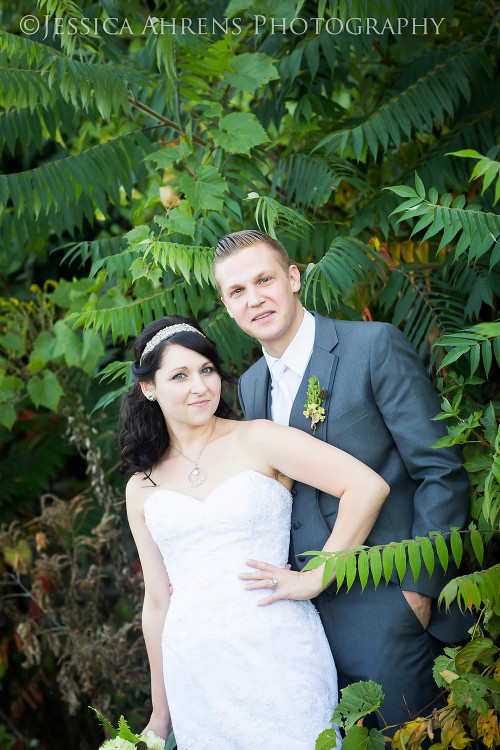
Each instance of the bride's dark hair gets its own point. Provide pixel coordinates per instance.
(144, 436)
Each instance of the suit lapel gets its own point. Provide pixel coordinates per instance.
(323, 365)
(261, 377)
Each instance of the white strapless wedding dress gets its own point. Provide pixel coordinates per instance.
(237, 676)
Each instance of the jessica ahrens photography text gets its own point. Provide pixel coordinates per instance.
(203, 26)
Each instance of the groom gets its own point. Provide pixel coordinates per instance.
(378, 407)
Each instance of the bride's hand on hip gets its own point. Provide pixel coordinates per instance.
(283, 582)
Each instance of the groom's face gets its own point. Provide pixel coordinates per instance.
(260, 295)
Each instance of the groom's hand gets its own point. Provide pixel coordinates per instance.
(421, 606)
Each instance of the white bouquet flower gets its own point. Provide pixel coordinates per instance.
(153, 741)
(124, 739)
(118, 743)
(150, 739)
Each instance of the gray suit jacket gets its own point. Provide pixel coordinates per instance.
(379, 409)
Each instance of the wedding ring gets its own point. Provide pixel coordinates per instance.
(274, 582)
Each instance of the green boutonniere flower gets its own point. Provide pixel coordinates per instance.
(313, 409)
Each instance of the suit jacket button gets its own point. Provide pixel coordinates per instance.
(294, 492)
(301, 558)
(296, 525)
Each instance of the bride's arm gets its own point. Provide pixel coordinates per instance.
(155, 606)
(361, 492)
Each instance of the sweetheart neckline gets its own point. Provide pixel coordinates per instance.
(203, 500)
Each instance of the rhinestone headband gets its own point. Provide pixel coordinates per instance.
(165, 333)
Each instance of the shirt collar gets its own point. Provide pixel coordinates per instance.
(298, 352)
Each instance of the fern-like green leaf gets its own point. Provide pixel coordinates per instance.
(305, 180)
(269, 213)
(474, 590)
(477, 231)
(53, 188)
(185, 260)
(106, 724)
(415, 107)
(346, 265)
(469, 343)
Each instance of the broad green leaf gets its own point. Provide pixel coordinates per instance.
(68, 344)
(138, 234)
(239, 132)
(478, 463)
(92, 351)
(250, 70)
(45, 391)
(357, 700)
(358, 738)
(327, 740)
(10, 387)
(43, 347)
(13, 342)
(7, 415)
(205, 190)
(470, 691)
(178, 220)
(478, 650)
(444, 663)
(167, 156)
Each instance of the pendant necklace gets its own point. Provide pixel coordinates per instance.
(197, 474)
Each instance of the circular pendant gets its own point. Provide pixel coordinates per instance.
(196, 476)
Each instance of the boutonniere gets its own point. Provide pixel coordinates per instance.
(315, 397)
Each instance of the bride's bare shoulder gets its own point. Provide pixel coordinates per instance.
(258, 430)
(135, 491)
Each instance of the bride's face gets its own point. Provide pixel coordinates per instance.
(187, 386)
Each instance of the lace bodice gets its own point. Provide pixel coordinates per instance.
(245, 516)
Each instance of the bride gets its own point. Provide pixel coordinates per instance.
(237, 654)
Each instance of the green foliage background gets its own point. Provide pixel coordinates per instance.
(124, 157)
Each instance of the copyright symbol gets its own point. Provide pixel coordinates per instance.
(29, 25)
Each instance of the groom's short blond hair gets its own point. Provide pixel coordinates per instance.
(235, 241)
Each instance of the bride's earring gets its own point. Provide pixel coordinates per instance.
(151, 397)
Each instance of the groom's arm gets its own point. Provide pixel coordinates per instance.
(407, 402)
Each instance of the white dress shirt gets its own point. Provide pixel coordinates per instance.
(287, 371)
